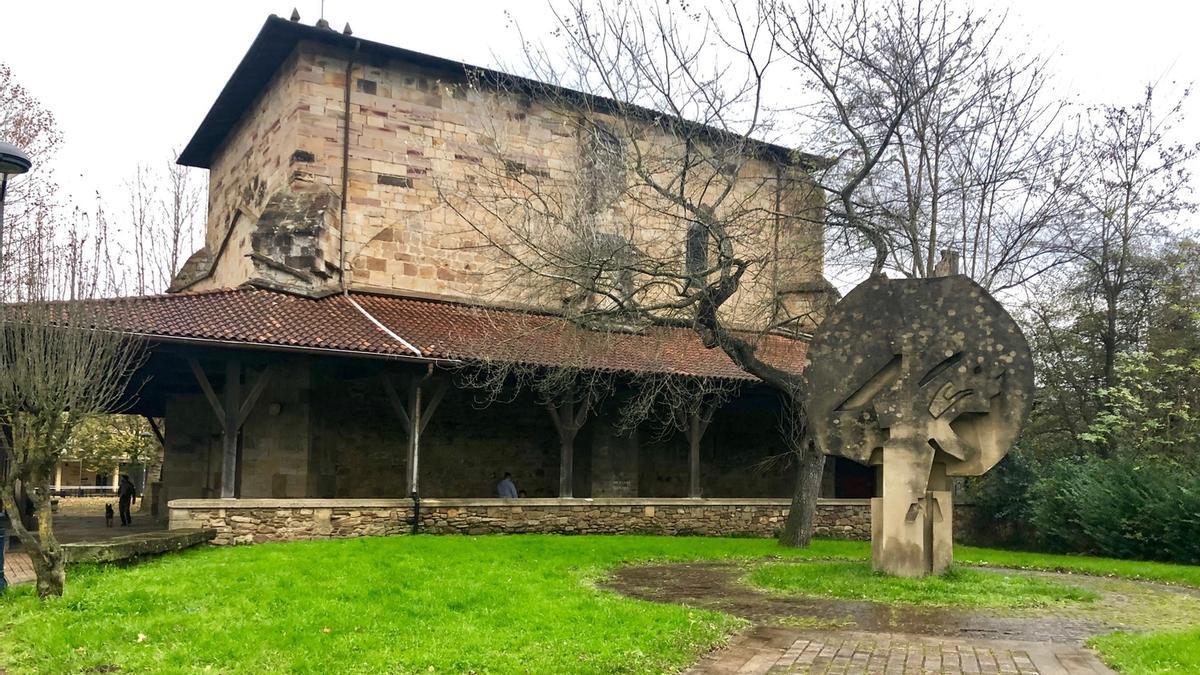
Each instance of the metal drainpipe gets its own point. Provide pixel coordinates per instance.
(416, 517)
(345, 166)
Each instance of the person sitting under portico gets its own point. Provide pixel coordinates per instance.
(506, 489)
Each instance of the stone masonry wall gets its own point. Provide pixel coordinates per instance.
(275, 439)
(262, 520)
(417, 135)
(192, 455)
(253, 164)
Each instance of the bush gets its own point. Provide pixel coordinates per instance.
(1119, 508)
(1056, 506)
(1002, 509)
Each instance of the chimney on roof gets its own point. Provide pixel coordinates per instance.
(948, 265)
(295, 18)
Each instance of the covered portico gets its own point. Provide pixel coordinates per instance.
(291, 417)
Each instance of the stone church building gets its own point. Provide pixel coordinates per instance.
(308, 362)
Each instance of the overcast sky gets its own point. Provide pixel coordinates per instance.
(129, 81)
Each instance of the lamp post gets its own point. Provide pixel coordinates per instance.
(13, 161)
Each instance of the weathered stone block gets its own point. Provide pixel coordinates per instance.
(136, 545)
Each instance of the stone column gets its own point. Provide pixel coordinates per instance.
(911, 523)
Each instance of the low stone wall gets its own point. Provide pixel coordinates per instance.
(244, 521)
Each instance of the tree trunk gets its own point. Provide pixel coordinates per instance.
(1109, 342)
(797, 531)
(45, 553)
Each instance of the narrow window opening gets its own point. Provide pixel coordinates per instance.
(697, 250)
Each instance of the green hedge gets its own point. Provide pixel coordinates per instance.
(1120, 507)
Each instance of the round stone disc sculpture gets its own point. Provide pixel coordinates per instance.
(925, 378)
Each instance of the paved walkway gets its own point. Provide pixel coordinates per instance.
(17, 568)
(70, 528)
(773, 651)
(830, 636)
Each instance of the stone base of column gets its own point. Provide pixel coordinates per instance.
(913, 539)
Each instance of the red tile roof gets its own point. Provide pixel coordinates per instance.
(437, 330)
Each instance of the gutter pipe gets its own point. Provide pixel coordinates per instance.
(345, 164)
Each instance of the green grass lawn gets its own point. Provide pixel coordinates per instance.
(957, 588)
(403, 604)
(409, 604)
(1166, 652)
(1181, 575)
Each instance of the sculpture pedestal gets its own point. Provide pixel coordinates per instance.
(912, 538)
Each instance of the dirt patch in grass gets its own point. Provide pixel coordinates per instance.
(720, 586)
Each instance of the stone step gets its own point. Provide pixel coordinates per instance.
(136, 545)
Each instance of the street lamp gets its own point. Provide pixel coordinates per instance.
(13, 161)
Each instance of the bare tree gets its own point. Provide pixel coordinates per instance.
(29, 203)
(56, 371)
(182, 208)
(670, 207)
(676, 209)
(142, 194)
(161, 222)
(943, 139)
(1130, 196)
(1135, 187)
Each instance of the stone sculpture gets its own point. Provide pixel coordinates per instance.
(927, 379)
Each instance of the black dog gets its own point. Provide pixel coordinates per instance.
(108, 515)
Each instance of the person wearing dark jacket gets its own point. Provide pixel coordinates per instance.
(125, 495)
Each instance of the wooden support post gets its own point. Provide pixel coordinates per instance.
(415, 415)
(231, 413)
(694, 428)
(566, 469)
(694, 455)
(162, 441)
(568, 420)
(230, 428)
(414, 436)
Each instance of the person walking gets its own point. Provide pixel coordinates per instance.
(125, 495)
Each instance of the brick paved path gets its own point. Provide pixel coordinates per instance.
(879, 640)
(17, 568)
(772, 651)
(72, 527)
